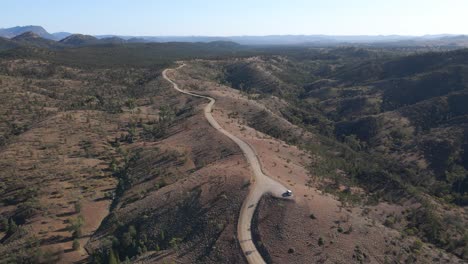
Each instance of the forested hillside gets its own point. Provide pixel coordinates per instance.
(397, 124)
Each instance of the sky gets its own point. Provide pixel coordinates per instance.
(239, 17)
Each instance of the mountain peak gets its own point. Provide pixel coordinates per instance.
(15, 31)
(79, 39)
(112, 40)
(27, 36)
(32, 38)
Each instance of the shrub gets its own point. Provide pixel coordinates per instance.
(417, 245)
(321, 242)
(349, 231)
(113, 257)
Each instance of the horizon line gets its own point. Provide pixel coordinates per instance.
(250, 35)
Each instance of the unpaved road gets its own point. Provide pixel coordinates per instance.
(262, 184)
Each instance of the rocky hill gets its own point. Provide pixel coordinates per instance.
(33, 39)
(15, 31)
(79, 40)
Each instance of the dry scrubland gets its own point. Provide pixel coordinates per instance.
(328, 221)
(62, 131)
(106, 164)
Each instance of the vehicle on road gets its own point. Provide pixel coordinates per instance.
(288, 193)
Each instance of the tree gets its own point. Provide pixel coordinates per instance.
(128, 238)
(4, 224)
(130, 103)
(174, 243)
(77, 207)
(75, 226)
(113, 258)
(113, 165)
(12, 227)
(456, 176)
(353, 142)
(166, 114)
(76, 244)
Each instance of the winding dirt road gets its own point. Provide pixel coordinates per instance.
(262, 184)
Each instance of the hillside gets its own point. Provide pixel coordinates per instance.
(81, 139)
(345, 199)
(112, 40)
(130, 54)
(402, 118)
(6, 44)
(107, 138)
(102, 160)
(79, 40)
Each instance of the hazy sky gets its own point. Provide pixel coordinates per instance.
(240, 17)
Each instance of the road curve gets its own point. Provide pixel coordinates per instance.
(262, 184)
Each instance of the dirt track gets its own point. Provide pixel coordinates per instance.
(261, 185)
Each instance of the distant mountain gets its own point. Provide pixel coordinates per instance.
(15, 31)
(136, 40)
(318, 40)
(61, 35)
(280, 39)
(112, 40)
(443, 41)
(288, 39)
(224, 44)
(457, 41)
(31, 38)
(460, 37)
(79, 40)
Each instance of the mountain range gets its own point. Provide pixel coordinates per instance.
(38, 30)
(443, 39)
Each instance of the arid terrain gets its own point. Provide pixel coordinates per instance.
(119, 152)
(316, 226)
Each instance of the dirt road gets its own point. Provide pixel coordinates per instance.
(261, 185)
